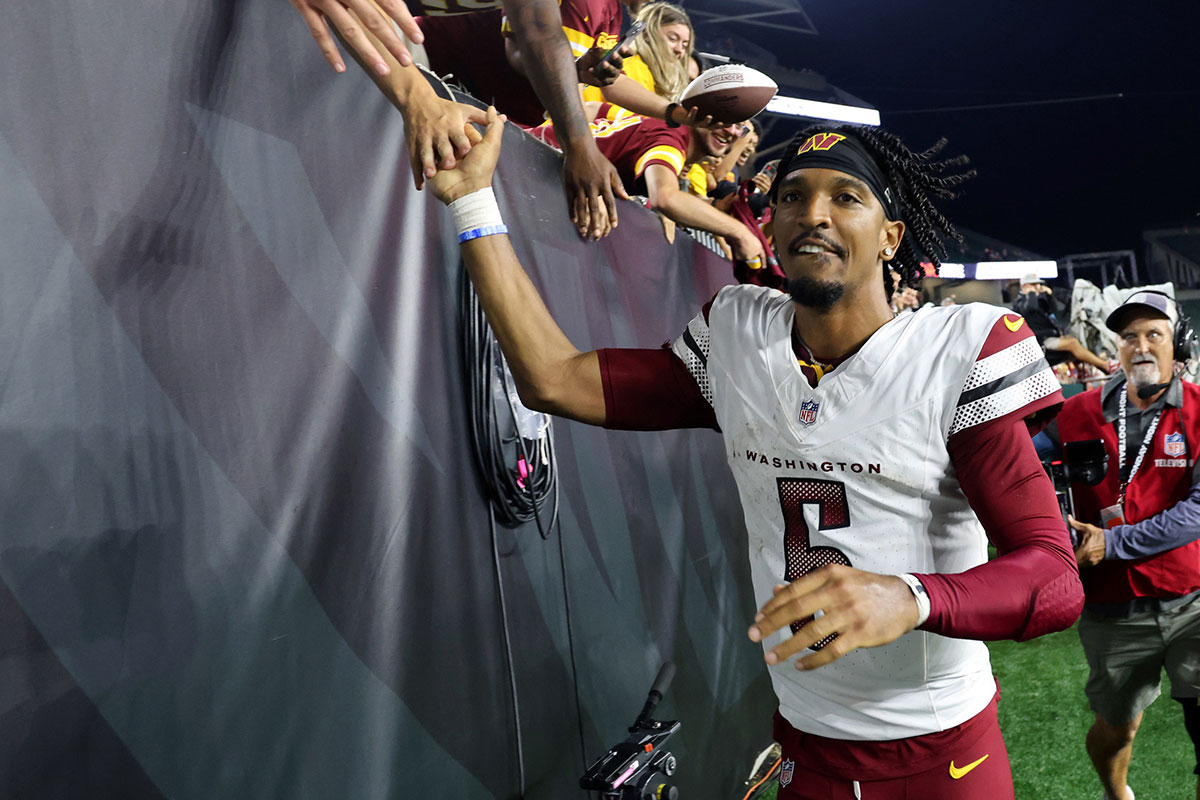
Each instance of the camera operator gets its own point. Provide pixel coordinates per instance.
(1041, 310)
(1141, 569)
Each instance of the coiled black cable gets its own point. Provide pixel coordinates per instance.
(518, 495)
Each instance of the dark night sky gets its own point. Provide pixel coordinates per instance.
(1055, 178)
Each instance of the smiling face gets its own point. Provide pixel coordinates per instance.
(1145, 349)
(751, 148)
(716, 142)
(831, 232)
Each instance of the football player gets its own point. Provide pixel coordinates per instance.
(875, 456)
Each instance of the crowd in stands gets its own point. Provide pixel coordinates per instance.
(551, 68)
(1047, 315)
(554, 69)
(614, 114)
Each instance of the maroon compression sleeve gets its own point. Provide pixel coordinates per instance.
(651, 390)
(1032, 587)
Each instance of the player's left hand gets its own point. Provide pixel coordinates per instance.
(595, 72)
(1091, 543)
(863, 609)
(345, 15)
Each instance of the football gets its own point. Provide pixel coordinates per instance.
(729, 92)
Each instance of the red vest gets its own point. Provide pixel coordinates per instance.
(1154, 488)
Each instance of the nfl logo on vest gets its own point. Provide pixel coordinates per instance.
(808, 411)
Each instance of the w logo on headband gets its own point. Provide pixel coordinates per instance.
(820, 141)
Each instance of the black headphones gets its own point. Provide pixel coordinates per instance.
(1183, 338)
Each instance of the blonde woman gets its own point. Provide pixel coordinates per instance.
(661, 58)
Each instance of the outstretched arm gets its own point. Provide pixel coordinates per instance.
(591, 182)
(666, 197)
(628, 93)
(355, 20)
(435, 129)
(551, 374)
(1166, 530)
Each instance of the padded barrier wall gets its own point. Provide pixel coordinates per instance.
(244, 550)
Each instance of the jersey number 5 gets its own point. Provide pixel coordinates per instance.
(833, 512)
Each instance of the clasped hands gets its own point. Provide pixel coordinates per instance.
(862, 609)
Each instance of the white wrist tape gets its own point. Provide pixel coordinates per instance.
(476, 214)
(921, 596)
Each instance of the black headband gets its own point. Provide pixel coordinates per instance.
(845, 154)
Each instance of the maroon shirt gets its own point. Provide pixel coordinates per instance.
(632, 144)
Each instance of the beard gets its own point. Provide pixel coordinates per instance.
(814, 294)
(1143, 374)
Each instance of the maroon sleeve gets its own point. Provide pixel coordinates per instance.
(651, 390)
(1032, 587)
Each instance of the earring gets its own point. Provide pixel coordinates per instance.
(887, 251)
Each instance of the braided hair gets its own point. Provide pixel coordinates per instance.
(914, 177)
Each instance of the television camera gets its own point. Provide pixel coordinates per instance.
(1083, 462)
(638, 767)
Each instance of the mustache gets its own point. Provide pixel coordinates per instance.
(815, 233)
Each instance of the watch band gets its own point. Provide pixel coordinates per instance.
(921, 596)
(671, 123)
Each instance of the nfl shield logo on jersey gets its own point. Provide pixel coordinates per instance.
(1174, 445)
(808, 411)
(785, 772)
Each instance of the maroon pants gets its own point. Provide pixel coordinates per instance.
(978, 770)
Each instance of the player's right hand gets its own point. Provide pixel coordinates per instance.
(438, 131)
(317, 14)
(862, 609)
(591, 182)
(474, 171)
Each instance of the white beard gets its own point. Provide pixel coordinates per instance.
(1144, 374)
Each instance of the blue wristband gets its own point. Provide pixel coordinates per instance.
(476, 233)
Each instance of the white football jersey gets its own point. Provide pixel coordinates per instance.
(856, 471)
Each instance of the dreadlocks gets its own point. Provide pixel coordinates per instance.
(914, 177)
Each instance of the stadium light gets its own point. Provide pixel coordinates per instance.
(1014, 270)
(815, 109)
(952, 270)
(991, 270)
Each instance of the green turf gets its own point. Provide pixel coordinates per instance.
(1044, 716)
